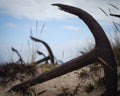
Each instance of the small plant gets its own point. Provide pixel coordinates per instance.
(89, 87)
(76, 89)
(46, 67)
(29, 92)
(64, 92)
(95, 67)
(82, 74)
(11, 72)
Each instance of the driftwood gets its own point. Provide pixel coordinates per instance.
(46, 60)
(41, 53)
(101, 53)
(42, 60)
(20, 58)
(51, 56)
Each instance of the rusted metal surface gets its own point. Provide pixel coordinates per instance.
(101, 53)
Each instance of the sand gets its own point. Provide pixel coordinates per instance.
(63, 84)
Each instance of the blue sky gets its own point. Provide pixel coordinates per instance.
(62, 31)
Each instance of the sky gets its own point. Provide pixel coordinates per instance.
(66, 34)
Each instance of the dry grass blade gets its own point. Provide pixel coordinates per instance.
(41, 53)
(77, 89)
(115, 15)
(114, 6)
(63, 54)
(47, 47)
(109, 10)
(41, 92)
(42, 29)
(116, 27)
(103, 62)
(42, 60)
(103, 11)
(36, 25)
(13, 49)
(34, 39)
(31, 33)
(11, 72)
(20, 57)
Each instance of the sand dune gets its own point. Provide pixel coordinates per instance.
(63, 84)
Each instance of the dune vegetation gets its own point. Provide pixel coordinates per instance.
(87, 81)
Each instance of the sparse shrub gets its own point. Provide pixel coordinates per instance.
(94, 67)
(46, 67)
(29, 92)
(82, 74)
(11, 72)
(76, 89)
(89, 87)
(65, 92)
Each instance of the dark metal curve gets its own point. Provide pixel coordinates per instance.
(101, 52)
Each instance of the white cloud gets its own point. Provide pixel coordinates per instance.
(73, 28)
(10, 25)
(42, 9)
(32, 9)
